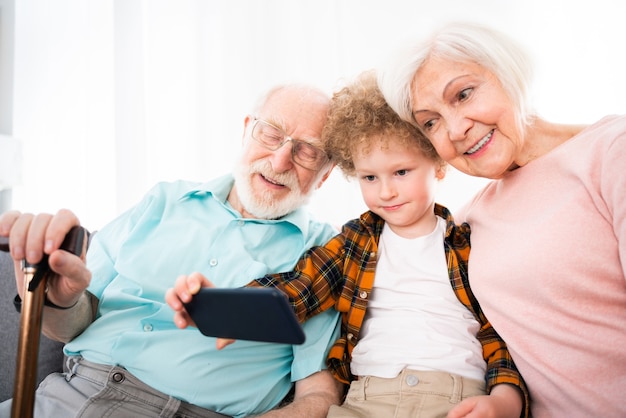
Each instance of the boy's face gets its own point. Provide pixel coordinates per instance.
(398, 183)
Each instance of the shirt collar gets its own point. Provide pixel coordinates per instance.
(375, 222)
(452, 229)
(220, 187)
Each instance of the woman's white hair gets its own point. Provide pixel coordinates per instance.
(461, 42)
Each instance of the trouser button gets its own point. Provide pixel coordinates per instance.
(412, 380)
(117, 377)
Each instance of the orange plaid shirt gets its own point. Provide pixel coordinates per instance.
(340, 274)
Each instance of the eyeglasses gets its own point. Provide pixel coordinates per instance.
(302, 153)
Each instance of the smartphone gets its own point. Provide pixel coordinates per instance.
(246, 313)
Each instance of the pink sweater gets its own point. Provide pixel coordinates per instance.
(548, 266)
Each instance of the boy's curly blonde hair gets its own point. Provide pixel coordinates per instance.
(359, 118)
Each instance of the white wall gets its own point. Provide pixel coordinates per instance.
(6, 65)
(112, 96)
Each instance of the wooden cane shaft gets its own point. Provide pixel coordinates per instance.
(25, 381)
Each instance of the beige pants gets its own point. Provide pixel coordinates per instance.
(409, 395)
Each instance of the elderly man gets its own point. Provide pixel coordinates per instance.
(125, 355)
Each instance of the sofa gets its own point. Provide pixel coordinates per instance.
(50, 352)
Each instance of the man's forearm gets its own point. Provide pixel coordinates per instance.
(314, 396)
(65, 324)
(310, 406)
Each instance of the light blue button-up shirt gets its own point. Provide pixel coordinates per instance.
(179, 228)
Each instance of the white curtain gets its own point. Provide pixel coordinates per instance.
(111, 96)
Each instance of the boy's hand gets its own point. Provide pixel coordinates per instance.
(182, 292)
(223, 342)
(505, 401)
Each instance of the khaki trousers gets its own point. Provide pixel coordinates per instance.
(411, 394)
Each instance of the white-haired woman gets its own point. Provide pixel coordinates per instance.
(548, 260)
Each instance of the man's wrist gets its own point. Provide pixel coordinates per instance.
(17, 302)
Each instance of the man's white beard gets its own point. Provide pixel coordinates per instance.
(263, 205)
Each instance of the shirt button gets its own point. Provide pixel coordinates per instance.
(213, 262)
(373, 254)
(350, 336)
(241, 223)
(363, 294)
(412, 380)
(147, 327)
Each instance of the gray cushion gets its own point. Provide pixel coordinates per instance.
(50, 352)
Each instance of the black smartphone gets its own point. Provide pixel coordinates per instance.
(246, 313)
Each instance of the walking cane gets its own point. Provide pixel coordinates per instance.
(35, 278)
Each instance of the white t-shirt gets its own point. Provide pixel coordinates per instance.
(414, 320)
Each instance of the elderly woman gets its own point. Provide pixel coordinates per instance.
(548, 260)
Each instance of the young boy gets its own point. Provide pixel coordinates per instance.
(411, 342)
